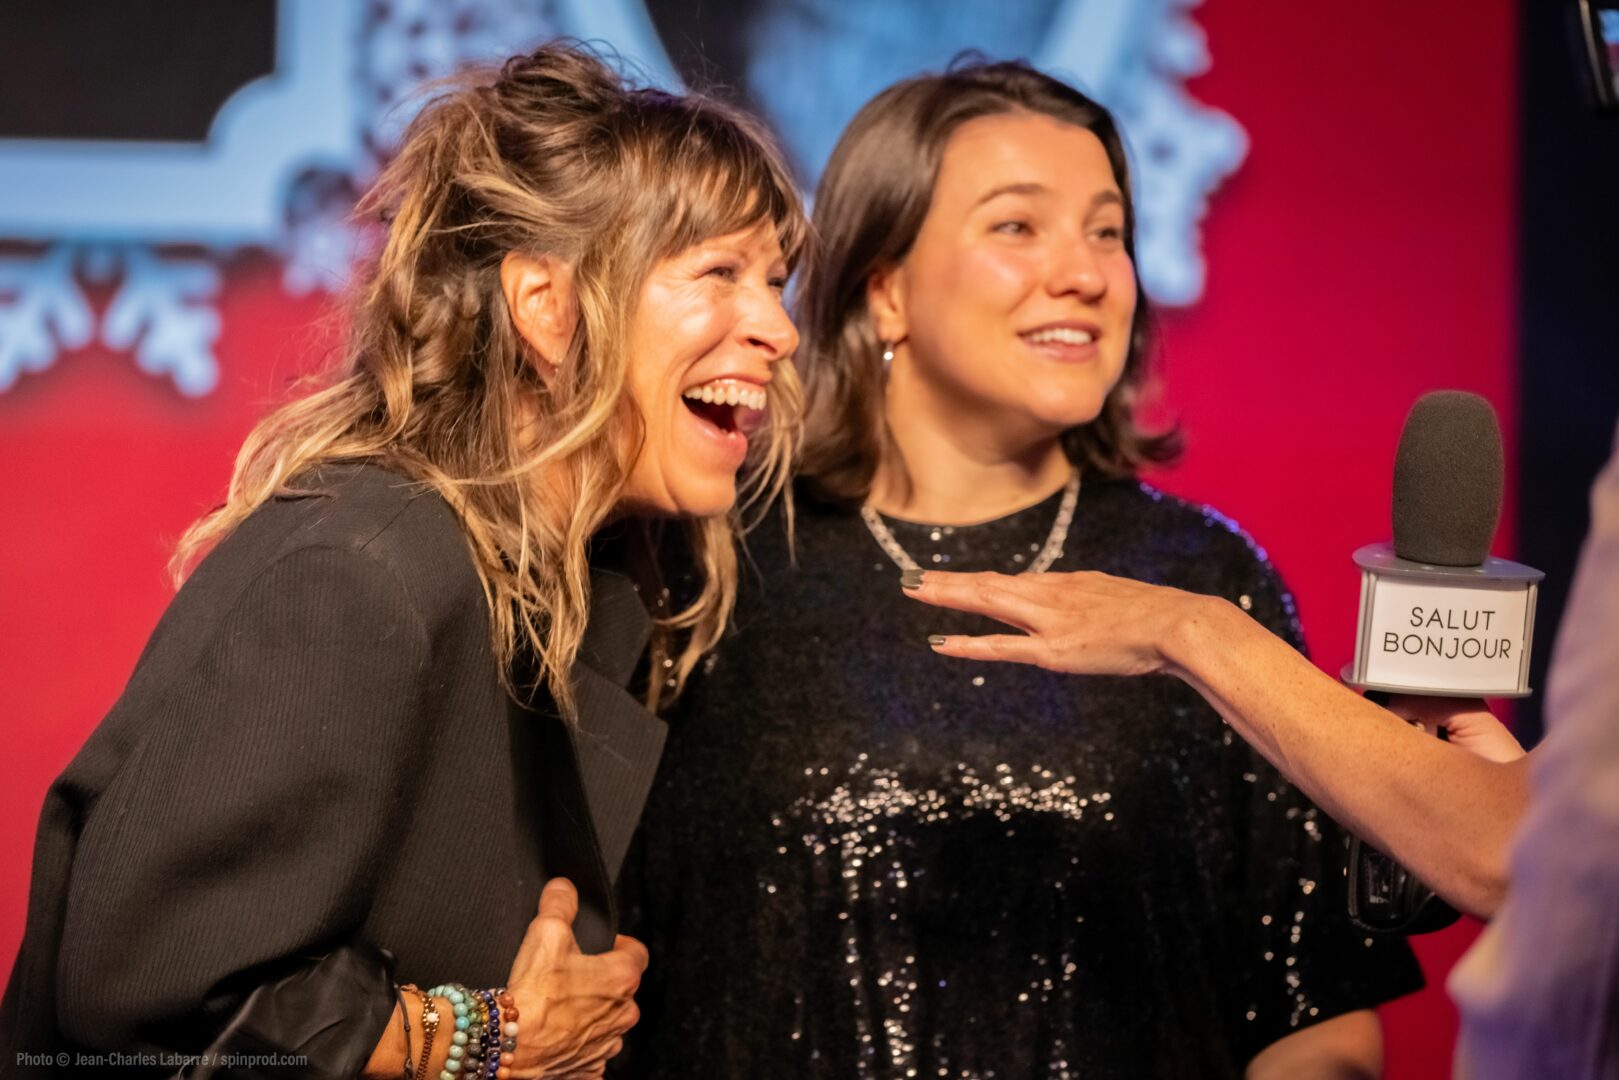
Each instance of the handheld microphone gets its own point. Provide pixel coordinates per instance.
(1438, 614)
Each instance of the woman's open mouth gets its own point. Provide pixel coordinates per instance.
(733, 408)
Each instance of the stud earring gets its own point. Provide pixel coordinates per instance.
(888, 353)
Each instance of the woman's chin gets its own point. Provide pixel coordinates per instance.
(701, 497)
(1058, 414)
(681, 482)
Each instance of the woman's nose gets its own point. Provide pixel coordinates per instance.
(1078, 271)
(771, 331)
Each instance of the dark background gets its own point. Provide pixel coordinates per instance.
(1568, 312)
(128, 69)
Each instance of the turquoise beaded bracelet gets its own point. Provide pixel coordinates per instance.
(484, 1042)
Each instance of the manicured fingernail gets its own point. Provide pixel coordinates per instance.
(936, 639)
(910, 579)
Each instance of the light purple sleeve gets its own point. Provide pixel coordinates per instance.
(1539, 992)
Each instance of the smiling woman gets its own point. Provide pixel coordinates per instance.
(714, 314)
(997, 188)
(985, 872)
(391, 708)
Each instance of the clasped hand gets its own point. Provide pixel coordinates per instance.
(576, 1008)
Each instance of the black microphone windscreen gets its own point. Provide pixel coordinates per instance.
(1447, 480)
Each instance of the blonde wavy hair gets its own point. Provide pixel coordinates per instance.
(552, 154)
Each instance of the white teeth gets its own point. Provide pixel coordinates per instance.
(1062, 335)
(723, 392)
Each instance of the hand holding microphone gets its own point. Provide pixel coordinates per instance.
(1438, 615)
(1462, 722)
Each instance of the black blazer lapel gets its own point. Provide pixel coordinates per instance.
(617, 744)
(613, 749)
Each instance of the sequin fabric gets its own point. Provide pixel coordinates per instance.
(865, 860)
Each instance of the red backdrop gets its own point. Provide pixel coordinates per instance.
(1362, 255)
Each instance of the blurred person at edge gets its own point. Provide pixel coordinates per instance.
(1015, 874)
(1529, 841)
(387, 718)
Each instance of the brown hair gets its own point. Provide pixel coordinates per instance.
(869, 208)
(552, 154)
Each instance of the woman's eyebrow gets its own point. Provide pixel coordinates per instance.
(1025, 187)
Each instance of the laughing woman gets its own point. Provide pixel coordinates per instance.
(865, 860)
(389, 708)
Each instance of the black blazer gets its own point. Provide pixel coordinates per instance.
(315, 755)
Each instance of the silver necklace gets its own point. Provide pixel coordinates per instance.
(1049, 553)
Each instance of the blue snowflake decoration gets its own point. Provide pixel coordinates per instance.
(42, 312)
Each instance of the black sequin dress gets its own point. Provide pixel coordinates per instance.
(866, 860)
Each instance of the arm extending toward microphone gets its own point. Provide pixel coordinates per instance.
(1446, 812)
(1439, 618)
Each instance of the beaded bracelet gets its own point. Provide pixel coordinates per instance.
(485, 1039)
(492, 1062)
(508, 1031)
(458, 1040)
(478, 1029)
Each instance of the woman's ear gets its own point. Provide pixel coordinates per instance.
(885, 299)
(540, 296)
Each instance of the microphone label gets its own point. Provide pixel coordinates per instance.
(1440, 637)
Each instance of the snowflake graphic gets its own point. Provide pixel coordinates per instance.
(43, 311)
(159, 312)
